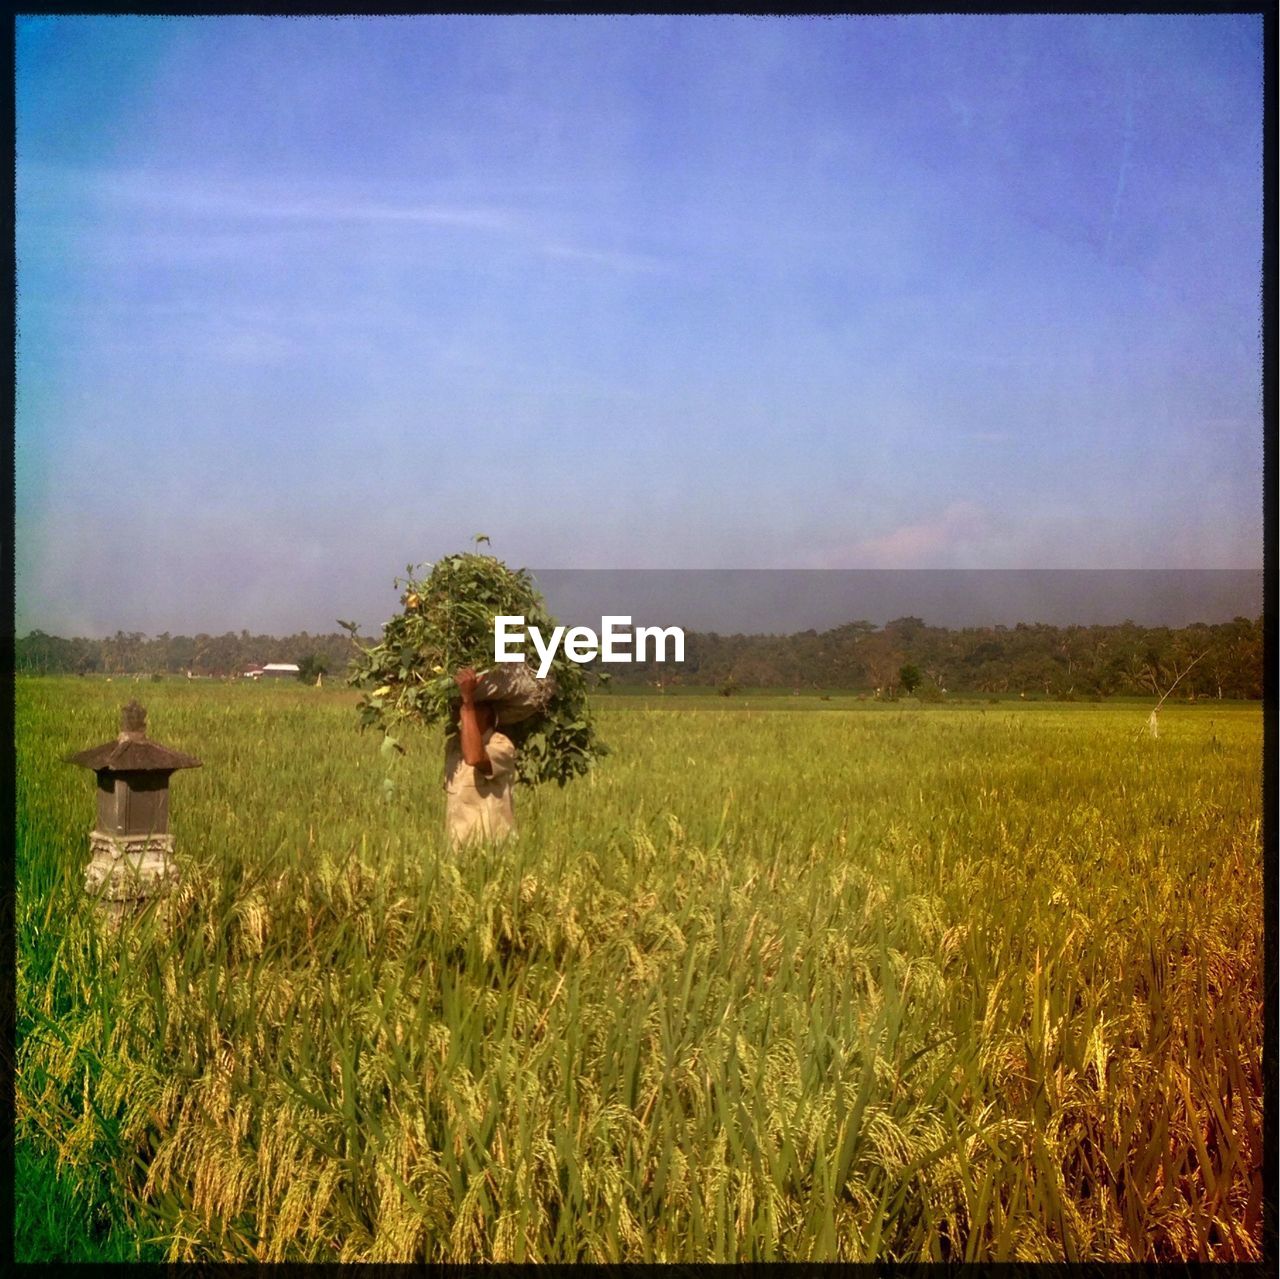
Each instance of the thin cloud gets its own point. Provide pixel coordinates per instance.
(196, 197)
(602, 257)
(186, 196)
(927, 543)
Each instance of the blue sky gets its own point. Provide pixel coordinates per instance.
(304, 300)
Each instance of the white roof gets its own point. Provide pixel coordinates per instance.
(280, 666)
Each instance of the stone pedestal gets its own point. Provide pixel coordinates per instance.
(126, 871)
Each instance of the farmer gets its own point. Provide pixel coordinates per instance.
(479, 771)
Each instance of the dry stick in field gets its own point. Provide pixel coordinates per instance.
(542, 1021)
(1153, 720)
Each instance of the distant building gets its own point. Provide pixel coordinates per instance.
(273, 670)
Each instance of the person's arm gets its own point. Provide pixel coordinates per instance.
(471, 738)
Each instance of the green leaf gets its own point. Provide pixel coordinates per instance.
(451, 625)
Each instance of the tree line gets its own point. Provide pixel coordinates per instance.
(1061, 661)
(218, 656)
(1027, 658)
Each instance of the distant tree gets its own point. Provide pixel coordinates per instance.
(880, 657)
(311, 667)
(905, 629)
(909, 677)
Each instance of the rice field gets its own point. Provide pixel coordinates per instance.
(783, 979)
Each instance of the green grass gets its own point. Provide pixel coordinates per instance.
(784, 979)
(59, 1220)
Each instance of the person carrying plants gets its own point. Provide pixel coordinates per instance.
(436, 664)
(479, 770)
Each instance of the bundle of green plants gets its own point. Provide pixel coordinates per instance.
(446, 623)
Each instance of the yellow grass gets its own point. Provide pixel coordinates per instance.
(784, 979)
